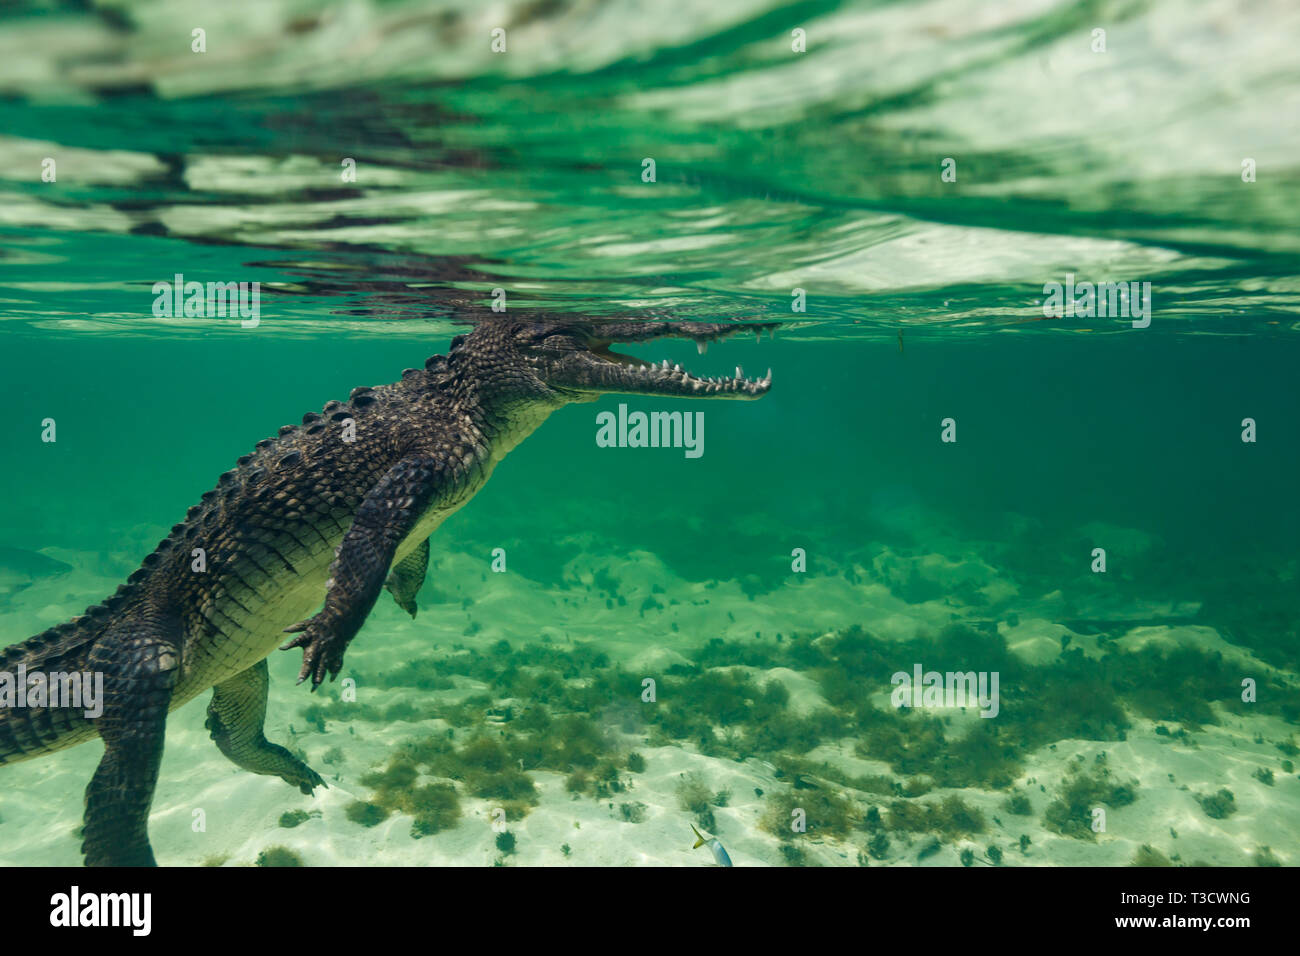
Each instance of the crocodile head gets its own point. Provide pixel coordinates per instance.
(561, 361)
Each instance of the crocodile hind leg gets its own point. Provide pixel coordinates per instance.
(140, 661)
(235, 717)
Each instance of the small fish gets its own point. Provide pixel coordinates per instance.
(719, 854)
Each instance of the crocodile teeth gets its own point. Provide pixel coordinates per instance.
(740, 372)
(702, 347)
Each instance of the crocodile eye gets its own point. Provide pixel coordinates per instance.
(560, 342)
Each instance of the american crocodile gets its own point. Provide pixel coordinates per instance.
(340, 506)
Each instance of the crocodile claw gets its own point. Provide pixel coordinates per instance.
(322, 650)
(307, 780)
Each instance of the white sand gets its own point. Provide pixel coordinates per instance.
(40, 803)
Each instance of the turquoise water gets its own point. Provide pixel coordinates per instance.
(519, 695)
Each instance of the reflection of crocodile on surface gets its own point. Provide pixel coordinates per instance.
(341, 505)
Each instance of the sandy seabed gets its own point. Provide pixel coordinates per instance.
(208, 811)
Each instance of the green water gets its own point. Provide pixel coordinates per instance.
(521, 693)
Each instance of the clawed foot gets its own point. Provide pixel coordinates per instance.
(322, 649)
(304, 778)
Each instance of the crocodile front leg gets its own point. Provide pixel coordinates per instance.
(235, 719)
(140, 660)
(407, 576)
(387, 515)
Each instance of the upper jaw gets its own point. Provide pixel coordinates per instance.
(600, 370)
(620, 373)
(627, 331)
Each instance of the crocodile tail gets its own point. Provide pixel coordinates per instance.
(27, 731)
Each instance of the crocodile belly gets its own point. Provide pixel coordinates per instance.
(239, 617)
